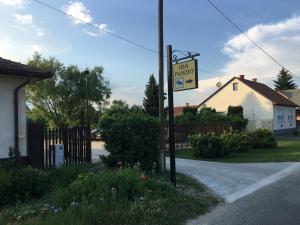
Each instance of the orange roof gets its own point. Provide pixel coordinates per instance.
(178, 110)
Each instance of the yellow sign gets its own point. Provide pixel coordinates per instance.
(185, 75)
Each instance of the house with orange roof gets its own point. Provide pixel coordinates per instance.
(262, 106)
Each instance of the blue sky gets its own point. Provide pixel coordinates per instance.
(189, 25)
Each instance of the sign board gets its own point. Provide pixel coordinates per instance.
(185, 75)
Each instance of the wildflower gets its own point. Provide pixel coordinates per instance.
(113, 191)
(143, 177)
(74, 204)
(141, 199)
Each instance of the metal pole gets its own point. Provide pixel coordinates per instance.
(86, 97)
(161, 157)
(171, 115)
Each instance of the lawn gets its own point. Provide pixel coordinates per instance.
(286, 151)
(118, 197)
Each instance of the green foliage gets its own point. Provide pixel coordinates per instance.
(19, 184)
(236, 141)
(208, 146)
(209, 115)
(151, 99)
(191, 110)
(205, 115)
(238, 122)
(262, 138)
(122, 196)
(216, 146)
(235, 110)
(284, 81)
(61, 100)
(130, 136)
(296, 132)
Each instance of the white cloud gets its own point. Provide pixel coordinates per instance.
(23, 19)
(25, 23)
(131, 94)
(79, 10)
(80, 14)
(17, 3)
(93, 34)
(281, 40)
(37, 48)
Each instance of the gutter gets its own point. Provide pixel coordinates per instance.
(16, 111)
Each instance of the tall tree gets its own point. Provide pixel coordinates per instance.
(151, 100)
(61, 100)
(284, 81)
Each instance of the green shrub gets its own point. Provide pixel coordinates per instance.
(130, 137)
(20, 184)
(262, 138)
(296, 132)
(208, 146)
(238, 122)
(235, 110)
(236, 141)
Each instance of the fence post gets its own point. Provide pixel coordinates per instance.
(88, 145)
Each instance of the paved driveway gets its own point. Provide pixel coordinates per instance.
(234, 180)
(98, 149)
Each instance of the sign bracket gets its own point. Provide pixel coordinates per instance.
(172, 58)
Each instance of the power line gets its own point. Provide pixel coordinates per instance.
(96, 27)
(105, 31)
(250, 39)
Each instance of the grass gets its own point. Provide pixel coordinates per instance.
(286, 151)
(124, 196)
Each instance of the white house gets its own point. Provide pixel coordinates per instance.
(263, 106)
(13, 79)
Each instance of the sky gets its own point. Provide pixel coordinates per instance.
(193, 25)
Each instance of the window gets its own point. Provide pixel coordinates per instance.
(290, 115)
(280, 115)
(235, 86)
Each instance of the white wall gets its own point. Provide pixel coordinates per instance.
(257, 109)
(7, 87)
(284, 122)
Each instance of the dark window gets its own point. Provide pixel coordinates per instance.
(235, 86)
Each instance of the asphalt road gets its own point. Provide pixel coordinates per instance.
(275, 204)
(232, 181)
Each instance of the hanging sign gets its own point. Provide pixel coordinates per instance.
(185, 75)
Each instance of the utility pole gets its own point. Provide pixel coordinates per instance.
(171, 115)
(161, 157)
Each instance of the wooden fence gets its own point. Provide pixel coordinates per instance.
(42, 141)
(182, 131)
(76, 141)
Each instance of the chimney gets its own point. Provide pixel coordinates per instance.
(254, 80)
(242, 77)
(187, 104)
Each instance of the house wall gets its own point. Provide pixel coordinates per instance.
(257, 109)
(281, 117)
(7, 87)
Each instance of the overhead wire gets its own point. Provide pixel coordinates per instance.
(106, 31)
(249, 38)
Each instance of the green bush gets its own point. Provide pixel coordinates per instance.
(208, 146)
(235, 110)
(20, 184)
(130, 136)
(262, 138)
(236, 141)
(238, 122)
